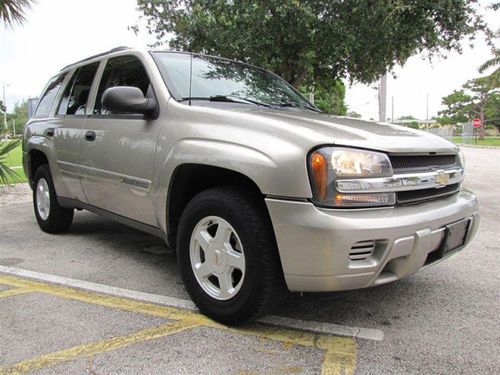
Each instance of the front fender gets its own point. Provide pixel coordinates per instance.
(272, 176)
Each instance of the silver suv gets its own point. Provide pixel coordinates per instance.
(256, 189)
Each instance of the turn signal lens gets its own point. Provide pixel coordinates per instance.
(376, 199)
(320, 174)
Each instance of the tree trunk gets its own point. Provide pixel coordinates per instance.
(297, 80)
(481, 116)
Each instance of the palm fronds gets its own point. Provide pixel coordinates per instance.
(5, 171)
(13, 11)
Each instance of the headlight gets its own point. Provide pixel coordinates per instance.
(328, 165)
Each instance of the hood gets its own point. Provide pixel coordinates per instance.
(345, 131)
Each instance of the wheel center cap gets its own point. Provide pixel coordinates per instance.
(217, 258)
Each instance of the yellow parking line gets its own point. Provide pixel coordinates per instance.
(15, 292)
(339, 357)
(88, 350)
(103, 300)
(340, 352)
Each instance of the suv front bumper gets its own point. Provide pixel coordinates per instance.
(319, 248)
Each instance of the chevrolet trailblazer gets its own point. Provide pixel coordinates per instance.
(256, 189)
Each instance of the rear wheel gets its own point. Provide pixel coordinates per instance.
(228, 257)
(51, 217)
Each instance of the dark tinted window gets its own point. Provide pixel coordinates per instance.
(210, 77)
(48, 96)
(76, 94)
(122, 71)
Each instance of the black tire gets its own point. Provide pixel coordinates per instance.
(59, 219)
(263, 286)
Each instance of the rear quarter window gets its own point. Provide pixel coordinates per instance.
(48, 96)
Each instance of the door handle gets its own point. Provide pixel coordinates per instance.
(50, 132)
(90, 136)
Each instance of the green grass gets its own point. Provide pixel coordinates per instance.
(487, 141)
(15, 159)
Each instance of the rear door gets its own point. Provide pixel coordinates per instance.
(70, 117)
(117, 154)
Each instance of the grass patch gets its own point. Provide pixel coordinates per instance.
(487, 141)
(15, 159)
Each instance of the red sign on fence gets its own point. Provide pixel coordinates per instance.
(476, 123)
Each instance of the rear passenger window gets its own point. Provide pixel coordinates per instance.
(122, 71)
(76, 93)
(48, 96)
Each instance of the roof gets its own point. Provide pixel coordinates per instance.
(116, 49)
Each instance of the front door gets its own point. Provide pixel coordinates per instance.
(118, 149)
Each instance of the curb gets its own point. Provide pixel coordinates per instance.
(477, 146)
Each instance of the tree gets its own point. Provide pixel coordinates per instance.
(477, 98)
(14, 11)
(492, 110)
(492, 63)
(409, 121)
(329, 100)
(458, 108)
(311, 41)
(19, 116)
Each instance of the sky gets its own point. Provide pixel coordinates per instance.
(60, 32)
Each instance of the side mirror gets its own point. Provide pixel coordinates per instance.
(128, 99)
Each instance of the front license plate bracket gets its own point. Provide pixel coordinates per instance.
(455, 235)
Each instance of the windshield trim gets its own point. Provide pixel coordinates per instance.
(180, 99)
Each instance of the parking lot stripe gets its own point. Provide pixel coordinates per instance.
(318, 327)
(101, 288)
(103, 300)
(88, 350)
(340, 352)
(339, 356)
(15, 292)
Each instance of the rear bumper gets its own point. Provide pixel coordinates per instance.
(315, 244)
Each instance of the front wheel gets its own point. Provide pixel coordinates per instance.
(228, 257)
(51, 217)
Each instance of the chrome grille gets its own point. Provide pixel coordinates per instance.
(412, 196)
(404, 163)
(407, 164)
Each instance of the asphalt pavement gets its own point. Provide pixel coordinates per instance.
(444, 320)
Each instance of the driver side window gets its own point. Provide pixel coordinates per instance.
(122, 71)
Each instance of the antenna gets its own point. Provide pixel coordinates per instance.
(190, 78)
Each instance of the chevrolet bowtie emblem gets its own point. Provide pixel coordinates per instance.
(442, 178)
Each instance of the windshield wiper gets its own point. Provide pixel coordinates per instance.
(227, 99)
(236, 99)
(297, 105)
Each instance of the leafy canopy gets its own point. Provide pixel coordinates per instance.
(314, 41)
(478, 97)
(19, 116)
(329, 100)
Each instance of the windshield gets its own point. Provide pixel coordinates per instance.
(224, 80)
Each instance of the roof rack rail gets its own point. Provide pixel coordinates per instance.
(116, 49)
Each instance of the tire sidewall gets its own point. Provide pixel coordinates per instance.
(251, 287)
(50, 223)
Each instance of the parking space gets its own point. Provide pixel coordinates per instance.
(437, 322)
(54, 329)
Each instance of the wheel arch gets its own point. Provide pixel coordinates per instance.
(189, 179)
(36, 158)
